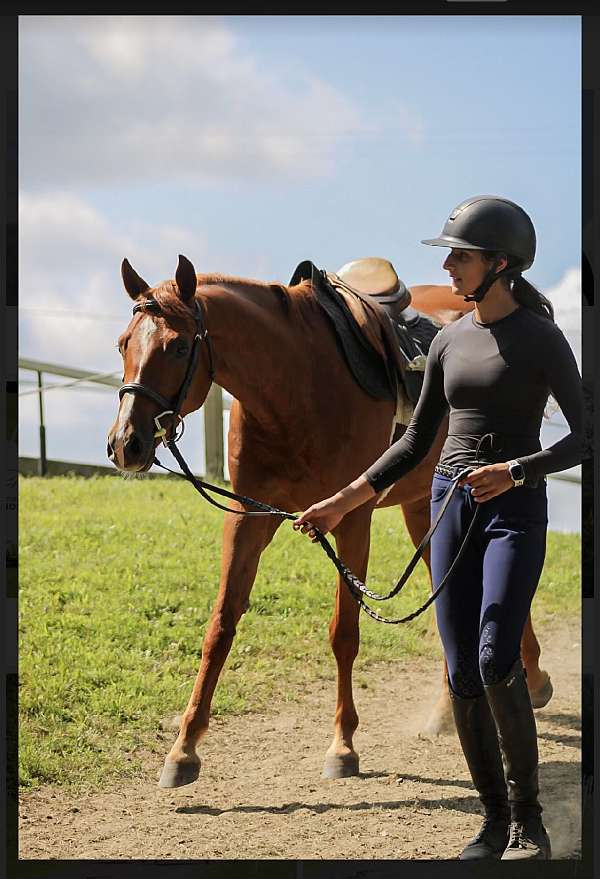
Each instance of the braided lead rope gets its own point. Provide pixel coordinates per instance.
(356, 587)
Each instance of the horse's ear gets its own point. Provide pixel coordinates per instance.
(185, 278)
(134, 285)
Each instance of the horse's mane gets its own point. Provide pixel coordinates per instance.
(166, 295)
(217, 278)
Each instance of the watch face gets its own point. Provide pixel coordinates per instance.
(516, 472)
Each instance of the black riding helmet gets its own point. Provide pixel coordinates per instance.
(488, 222)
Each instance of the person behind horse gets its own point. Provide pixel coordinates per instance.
(494, 369)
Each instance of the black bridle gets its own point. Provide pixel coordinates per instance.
(355, 585)
(151, 306)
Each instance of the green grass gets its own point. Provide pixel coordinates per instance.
(117, 579)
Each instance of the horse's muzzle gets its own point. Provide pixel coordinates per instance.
(129, 450)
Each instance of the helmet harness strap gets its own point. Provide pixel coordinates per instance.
(490, 278)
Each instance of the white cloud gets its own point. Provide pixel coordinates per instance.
(62, 234)
(113, 99)
(70, 259)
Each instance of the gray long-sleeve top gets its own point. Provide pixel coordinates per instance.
(494, 378)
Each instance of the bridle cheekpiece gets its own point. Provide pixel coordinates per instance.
(168, 407)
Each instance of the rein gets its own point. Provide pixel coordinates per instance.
(356, 587)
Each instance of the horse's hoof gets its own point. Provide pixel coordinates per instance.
(440, 722)
(178, 774)
(541, 696)
(340, 766)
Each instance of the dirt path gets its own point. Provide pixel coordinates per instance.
(260, 794)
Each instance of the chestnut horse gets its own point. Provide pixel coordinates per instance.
(300, 428)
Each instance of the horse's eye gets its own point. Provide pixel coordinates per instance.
(182, 349)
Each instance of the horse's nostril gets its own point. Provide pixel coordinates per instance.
(109, 449)
(134, 446)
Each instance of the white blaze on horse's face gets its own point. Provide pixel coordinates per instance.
(149, 343)
(146, 330)
(131, 437)
(142, 338)
(142, 341)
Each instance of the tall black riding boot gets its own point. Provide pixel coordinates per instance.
(479, 740)
(511, 707)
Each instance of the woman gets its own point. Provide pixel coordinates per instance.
(494, 369)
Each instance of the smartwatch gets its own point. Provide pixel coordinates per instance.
(517, 473)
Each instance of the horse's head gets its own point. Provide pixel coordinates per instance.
(166, 371)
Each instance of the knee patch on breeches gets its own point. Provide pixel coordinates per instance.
(493, 668)
(487, 665)
(465, 679)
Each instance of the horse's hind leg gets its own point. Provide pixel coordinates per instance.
(417, 517)
(244, 538)
(538, 680)
(352, 540)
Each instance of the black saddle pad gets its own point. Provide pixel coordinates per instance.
(377, 376)
(365, 363)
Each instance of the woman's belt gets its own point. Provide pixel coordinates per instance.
(449, 472)
(495, 443)
(452, 473)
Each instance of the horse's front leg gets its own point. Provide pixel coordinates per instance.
(244, 538)
(352, 540)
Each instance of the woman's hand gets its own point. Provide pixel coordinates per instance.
(325, 516)
(488, 482)
(328, 513)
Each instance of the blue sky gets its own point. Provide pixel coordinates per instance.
(252, 143)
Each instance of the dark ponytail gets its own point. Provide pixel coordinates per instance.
(524, 292)
(529, 296)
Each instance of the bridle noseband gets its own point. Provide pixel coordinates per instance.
(151, 306)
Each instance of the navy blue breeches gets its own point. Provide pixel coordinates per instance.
(482, 609)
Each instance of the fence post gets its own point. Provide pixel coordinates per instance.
(42, 464)
(213, 433)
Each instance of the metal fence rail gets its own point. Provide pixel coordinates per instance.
(103, 378)
(213, 408)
